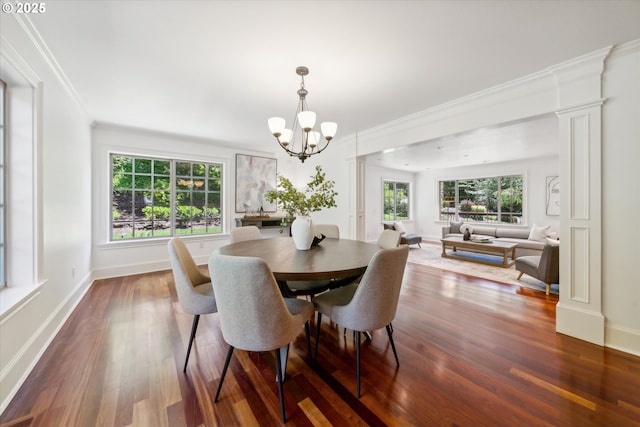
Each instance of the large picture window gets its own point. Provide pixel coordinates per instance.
(395, 196)
(3, 87)
(497, 199)
(154, 197)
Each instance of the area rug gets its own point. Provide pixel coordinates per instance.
(431, 255)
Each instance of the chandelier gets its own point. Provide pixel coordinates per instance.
(310, 141)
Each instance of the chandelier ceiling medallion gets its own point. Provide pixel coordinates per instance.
(309, 142)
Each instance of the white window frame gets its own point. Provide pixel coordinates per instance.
(409, 201)
(457, 212)
(3, 111)
(173, 191)
(23, 238)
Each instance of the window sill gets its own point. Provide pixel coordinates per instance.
(14, 297)
(158, 241)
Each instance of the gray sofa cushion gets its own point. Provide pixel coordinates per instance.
(513, 233)
(454, 227)
(483, 230)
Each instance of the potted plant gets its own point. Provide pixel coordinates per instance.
(297, 204)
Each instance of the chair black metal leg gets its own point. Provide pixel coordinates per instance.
(318, 325)
(224, 372)
(280, 381)
(358, 362)
(284, 358)
(306, 332)
(194, 327)
(393, 346)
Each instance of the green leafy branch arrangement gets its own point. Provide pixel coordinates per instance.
(318, 194)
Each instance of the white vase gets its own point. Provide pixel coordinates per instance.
(302, 232)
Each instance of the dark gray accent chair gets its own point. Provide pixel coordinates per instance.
(405, 238)
(545, 267)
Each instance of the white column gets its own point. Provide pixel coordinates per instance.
(579, 311)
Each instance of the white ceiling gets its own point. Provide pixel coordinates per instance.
(219, 69)
(535, 138)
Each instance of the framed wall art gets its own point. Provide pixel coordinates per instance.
(553, 195)
(254, 177)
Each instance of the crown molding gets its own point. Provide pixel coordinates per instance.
(459, 103)
(625, 49)
(49, 59)
(22, 67)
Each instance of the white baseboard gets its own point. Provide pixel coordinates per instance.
(623, 339)
(130, 269)
(20, 366)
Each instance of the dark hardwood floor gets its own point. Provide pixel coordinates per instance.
(472, 353)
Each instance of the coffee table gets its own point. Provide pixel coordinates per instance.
(491, 247)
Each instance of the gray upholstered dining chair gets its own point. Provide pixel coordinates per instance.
(330, 231)
(193, 287)
(389, 239)
(545, 267)
(369, 305)
(253, 314)
(241, 234)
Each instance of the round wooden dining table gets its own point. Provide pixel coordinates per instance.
(343, 260)
(331, 259)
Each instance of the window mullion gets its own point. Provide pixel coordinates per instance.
(173, 201)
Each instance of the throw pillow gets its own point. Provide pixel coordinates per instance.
(539, 233)
(465, 227)
(455, 226)
(400, 227)
(388, 226)
(552, 242)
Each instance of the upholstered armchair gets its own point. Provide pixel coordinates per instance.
(405, 238)
(545, 267)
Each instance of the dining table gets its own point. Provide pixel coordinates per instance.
(332, 259)
(340, 260)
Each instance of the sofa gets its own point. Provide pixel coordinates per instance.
(530, 242)
(405, 238)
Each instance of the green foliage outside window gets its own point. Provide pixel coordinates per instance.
(143, 190)
(395, 196)
(496, 199)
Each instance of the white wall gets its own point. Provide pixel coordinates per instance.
(131, 257)
(535, 172)
(113, 258)
(373, 206)
(621, 199)
(64, 190)
(336, 164)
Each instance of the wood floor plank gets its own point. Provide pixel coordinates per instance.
(472, 353)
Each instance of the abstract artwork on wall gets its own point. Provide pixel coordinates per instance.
(254, 177)
(553, 195)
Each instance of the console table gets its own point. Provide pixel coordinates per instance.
(261, 222)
